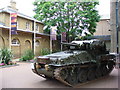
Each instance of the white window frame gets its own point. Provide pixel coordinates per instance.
(27, 26)
(37, 28)
(15, 42)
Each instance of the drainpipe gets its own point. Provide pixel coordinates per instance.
(34, 36)
(117, 25)
(117, 35)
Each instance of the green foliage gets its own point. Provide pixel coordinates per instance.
(56, 50)
(44, 51)
(70, 17)
(5, 56)
(28, 55)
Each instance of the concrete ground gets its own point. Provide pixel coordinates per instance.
(22, 77)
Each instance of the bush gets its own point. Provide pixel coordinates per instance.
(5, 56)
(54, 51)
(44, 51)
(28, 55)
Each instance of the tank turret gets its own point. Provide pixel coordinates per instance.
(83, 61)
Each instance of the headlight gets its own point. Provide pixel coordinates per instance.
(38, 66)
(47, 67)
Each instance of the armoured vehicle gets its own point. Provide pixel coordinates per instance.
(82, 62)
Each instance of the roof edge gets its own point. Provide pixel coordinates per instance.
(10, 10)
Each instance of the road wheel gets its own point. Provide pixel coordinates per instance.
(64, 74)
(98, 72)
(104, 70)
(82, 76)
(72, 77)
(91, 74)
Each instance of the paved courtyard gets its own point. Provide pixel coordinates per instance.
(22, 77)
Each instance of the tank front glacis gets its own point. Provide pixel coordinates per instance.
(81, 55)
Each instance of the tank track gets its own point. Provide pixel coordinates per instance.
(105, 66)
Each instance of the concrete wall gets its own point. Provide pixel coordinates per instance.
(113, 26)
(103, 27)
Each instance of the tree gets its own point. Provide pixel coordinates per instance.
(70, 17)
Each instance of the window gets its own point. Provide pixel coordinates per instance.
(27, 25)
(37, 43)
(37, 28)
(15, 42)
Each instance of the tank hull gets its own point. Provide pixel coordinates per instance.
(72, 75)
(84, 61)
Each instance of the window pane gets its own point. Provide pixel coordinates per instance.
(37, 27)
(27, 25)
(15, 42)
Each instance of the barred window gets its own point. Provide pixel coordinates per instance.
(15, 42)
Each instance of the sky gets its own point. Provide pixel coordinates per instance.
(26, 7)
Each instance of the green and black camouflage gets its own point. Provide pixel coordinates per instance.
(83, 61)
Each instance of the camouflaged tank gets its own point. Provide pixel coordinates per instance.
(82, 62)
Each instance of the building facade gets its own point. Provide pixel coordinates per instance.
(103, 27)
(107, 28)
(29, 33)
(113, 26)
(103, 32)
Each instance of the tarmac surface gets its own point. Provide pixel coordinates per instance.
(22, 77)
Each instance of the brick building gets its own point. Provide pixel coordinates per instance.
(29, 32)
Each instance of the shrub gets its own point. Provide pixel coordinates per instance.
(5, 56)
(28, 55)
(44, 51)
(56, 50)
